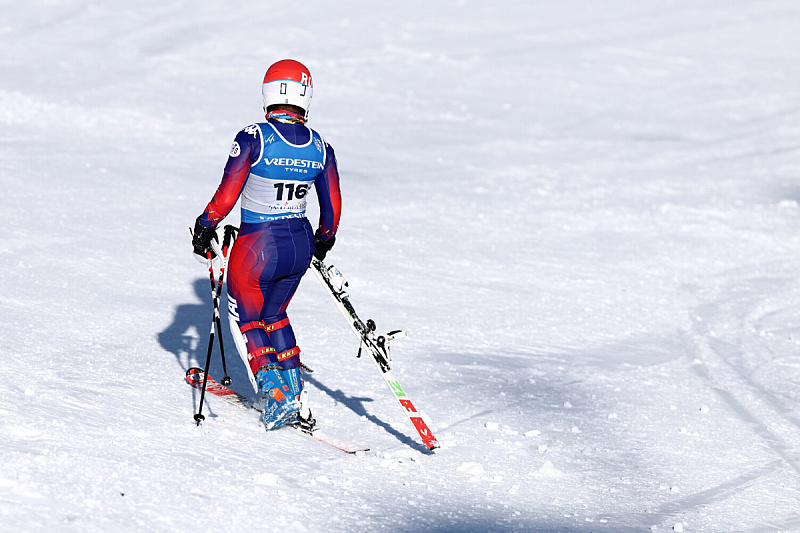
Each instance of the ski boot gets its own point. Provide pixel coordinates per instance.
(282, 404)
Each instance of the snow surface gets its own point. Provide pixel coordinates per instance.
(585, 213)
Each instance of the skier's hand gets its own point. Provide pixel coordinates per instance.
(322, 246)
(201, 240)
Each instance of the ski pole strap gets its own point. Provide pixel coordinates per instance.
(288, 353)
(260, 324)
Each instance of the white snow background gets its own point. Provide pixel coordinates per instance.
(584, 213)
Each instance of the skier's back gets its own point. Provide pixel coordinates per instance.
(272, 165)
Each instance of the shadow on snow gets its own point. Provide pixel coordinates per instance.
(186, 338)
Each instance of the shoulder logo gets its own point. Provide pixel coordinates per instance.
(235, 149)
(318, 145)
(252, 129)
(270, 139)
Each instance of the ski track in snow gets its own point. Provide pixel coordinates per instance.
(585, 214)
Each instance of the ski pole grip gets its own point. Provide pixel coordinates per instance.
(229, 235)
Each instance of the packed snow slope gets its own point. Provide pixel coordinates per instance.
(584, 213)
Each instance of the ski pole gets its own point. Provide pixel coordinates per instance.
(198, 417)
(230, 235)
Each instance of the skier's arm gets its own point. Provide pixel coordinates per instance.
(244, 152)
(329, 195)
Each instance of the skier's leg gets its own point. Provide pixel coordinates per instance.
(295, 244)
(265, 270)
(286, 357)
(251, 260)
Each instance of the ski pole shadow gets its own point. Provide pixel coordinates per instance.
(356, 405)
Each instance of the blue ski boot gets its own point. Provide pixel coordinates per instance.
(282, 403)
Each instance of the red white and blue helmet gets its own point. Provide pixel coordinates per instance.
(288, 82)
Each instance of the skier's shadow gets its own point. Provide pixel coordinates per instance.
(186, 338)
(356, 405)
(182, 336)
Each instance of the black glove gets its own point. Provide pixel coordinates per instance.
(201, 239)
(322, 246)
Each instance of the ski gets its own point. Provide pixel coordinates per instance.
(194, 377)
(376, 345)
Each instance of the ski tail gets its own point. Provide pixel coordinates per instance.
(194, 377)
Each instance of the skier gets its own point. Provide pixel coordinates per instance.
(272, 165)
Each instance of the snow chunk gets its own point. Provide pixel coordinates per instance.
(704, 409)
(403, 453)
(391, 463)
(532, 433)
(266, 478)
(492, 426)
(678, 527)
(547, 471)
